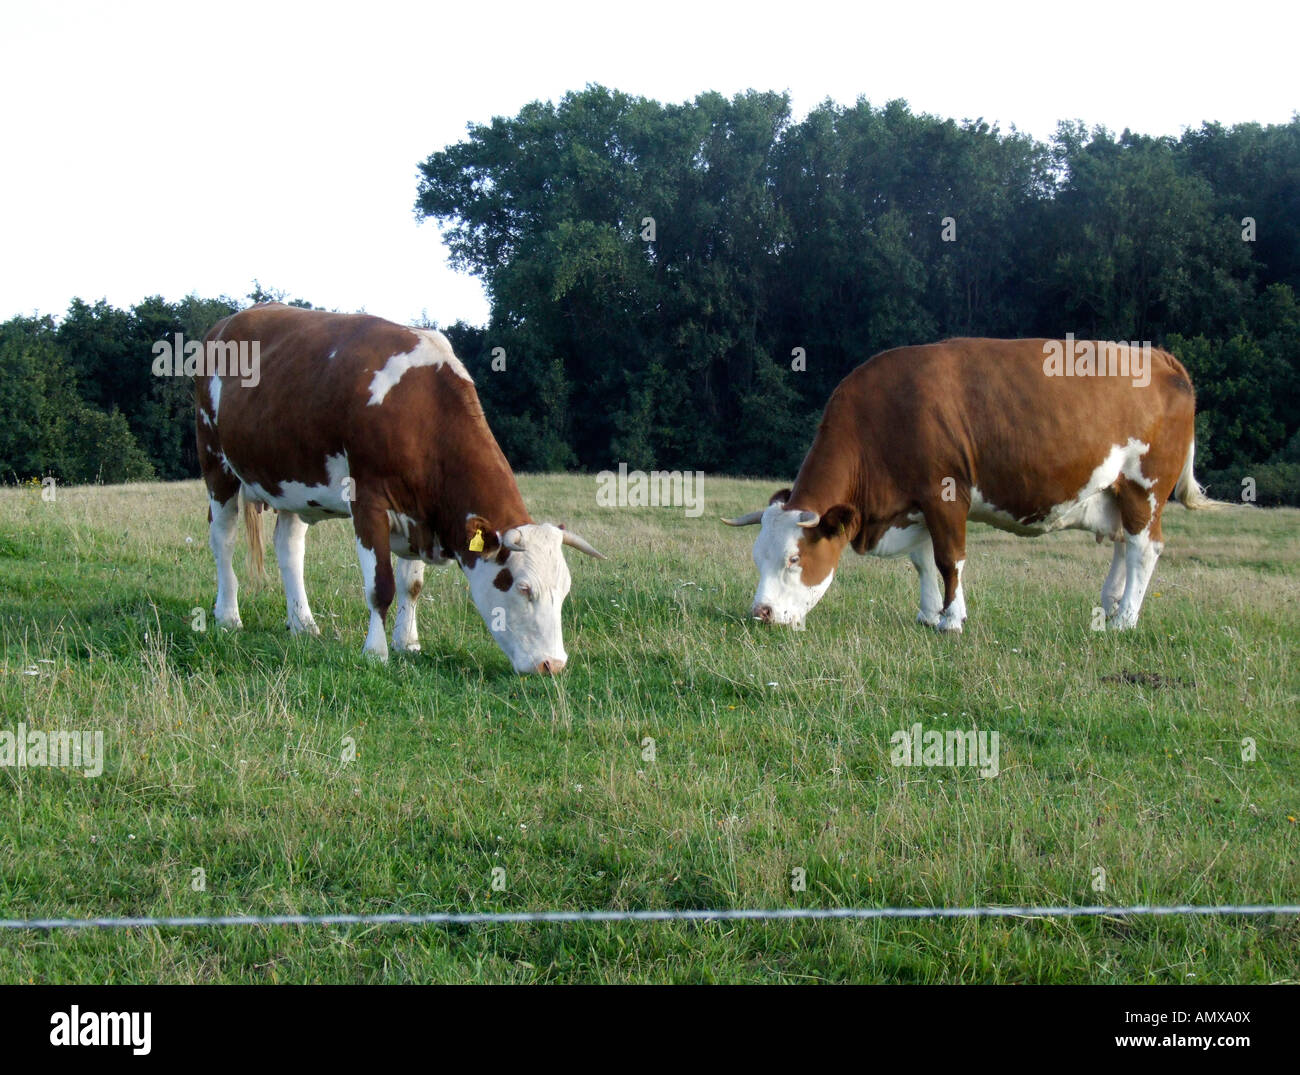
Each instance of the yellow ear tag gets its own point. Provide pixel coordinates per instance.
(476, 542)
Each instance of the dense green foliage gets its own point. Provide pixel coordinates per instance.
(855, 230)
(683, 285)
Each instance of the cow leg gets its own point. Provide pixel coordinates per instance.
(922, 557)
(290, 548)
(1142, 550)
(1113, 588)
(410, 580)
(371, 528)
(947, 526)
(223, 530)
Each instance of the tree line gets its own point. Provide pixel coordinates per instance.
(681, 286)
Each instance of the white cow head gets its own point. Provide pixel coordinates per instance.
(796, 553)
(518, 582)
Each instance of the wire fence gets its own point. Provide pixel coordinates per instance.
(485, 918)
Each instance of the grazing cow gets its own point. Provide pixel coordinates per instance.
(351, 415)
(1014, 433)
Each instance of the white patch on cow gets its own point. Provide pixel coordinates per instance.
(312, 502)
(290, 551)
(951, 618)
(432, 349)
(898, 540)
(333, 353)
(207, 418)
(408, 575)
(780, 583)
(921, 554)
(525, 625)
(214, 393)
(1140, 556)
(223, 532)
(376, 645)
(1093, 508)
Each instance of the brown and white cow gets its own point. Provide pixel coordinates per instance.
(919, 439)
(353, 416)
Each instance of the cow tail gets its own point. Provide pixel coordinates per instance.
(1188, 491)
(253, 530)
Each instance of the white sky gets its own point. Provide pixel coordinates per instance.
(164, 148)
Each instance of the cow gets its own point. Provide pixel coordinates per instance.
(352, 416)
(1024, 435)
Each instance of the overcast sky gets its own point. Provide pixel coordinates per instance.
(168, 148)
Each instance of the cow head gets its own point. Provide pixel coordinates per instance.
(518, 581)
(796, 553)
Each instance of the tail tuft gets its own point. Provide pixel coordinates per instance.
(253, 531)
(1188, 491)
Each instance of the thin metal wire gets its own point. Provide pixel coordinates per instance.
(483, 918)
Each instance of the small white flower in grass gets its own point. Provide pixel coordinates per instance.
(189, 541)
(577, 787)
(774, 684)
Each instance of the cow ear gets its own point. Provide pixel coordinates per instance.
(839, 521)
(780, 496)
(479, 531)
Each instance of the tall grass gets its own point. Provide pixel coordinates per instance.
(1121, 758)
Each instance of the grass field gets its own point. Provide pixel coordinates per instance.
(224, 753)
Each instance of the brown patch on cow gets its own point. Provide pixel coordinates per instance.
(504, 580)
(821, 546)
(414, 589)
(780, 496)
(503, 554)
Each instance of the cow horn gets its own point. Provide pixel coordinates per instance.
(808, 519)
(513, 540)
(576, 541)
(746, 520)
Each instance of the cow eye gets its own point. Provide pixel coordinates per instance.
(525, 590)
(794, 559)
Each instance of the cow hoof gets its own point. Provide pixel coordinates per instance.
(378, 655)
(307, 628)
(949, 625)
(229, 624)
(1121, 622)
(406, 647)
(930, 620)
